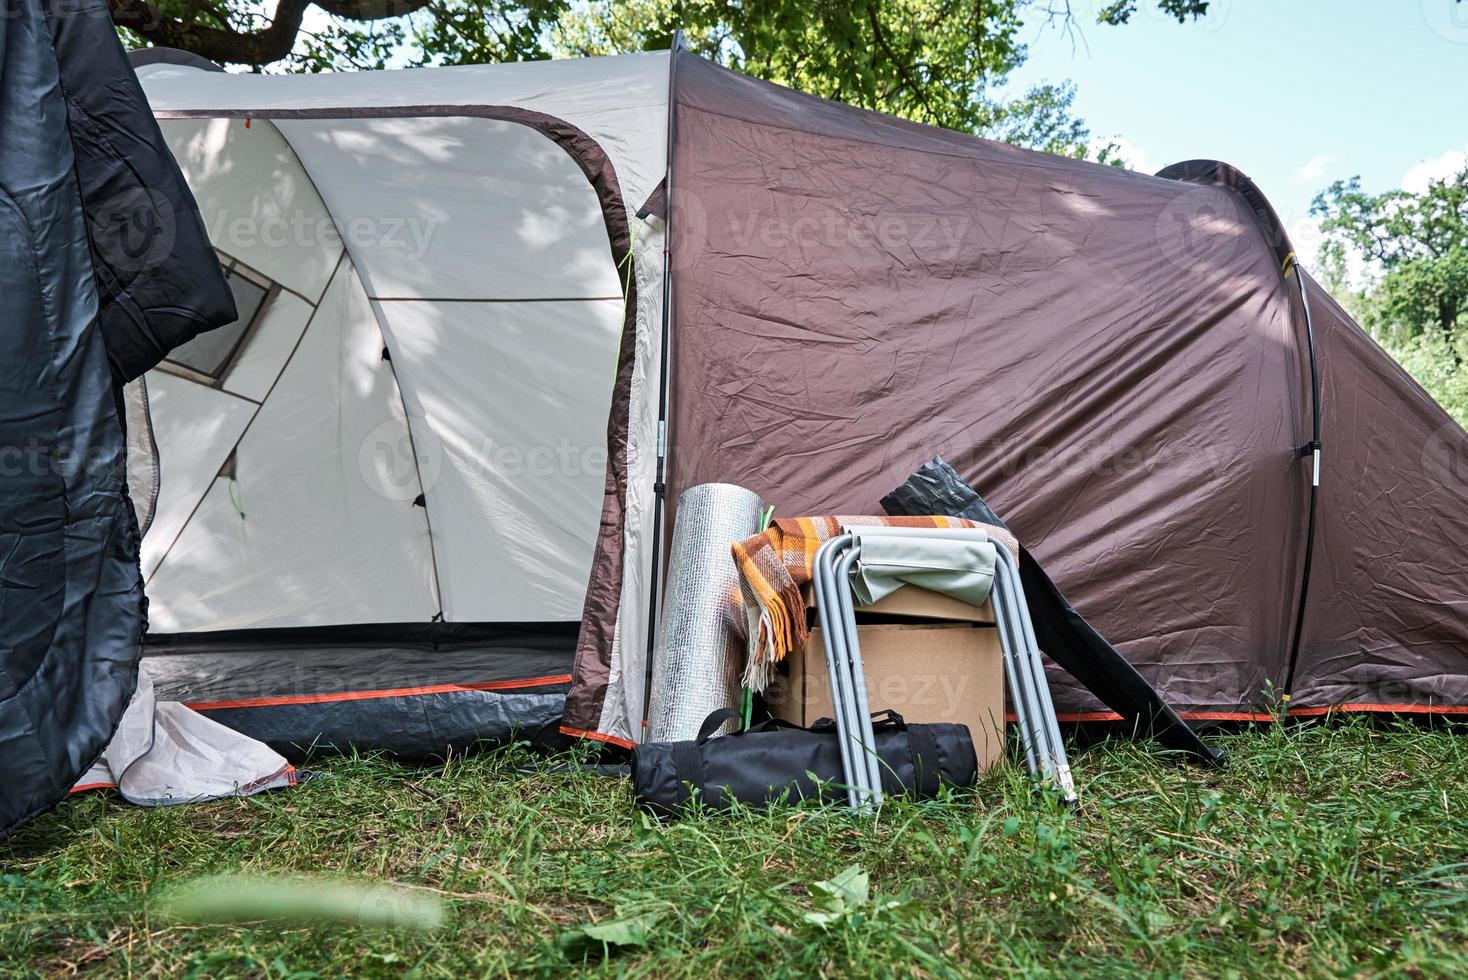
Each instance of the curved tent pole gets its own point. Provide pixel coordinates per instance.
(660, 486)
(1310, 450)
(1277, 239)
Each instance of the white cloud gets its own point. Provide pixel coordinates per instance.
(1313, 169)
(1447, 165)
(1132, 155)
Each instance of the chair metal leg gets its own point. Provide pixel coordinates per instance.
(867, 736)
(1060, 763)
(1019, 692)
(1029, 688)
(823, 584)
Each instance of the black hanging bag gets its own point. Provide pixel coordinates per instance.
(777, 760)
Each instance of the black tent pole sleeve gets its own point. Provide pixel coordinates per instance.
(1310, 450)
(660, 486)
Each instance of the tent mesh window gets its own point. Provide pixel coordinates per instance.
(209, 356)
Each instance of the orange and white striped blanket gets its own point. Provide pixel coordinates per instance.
(777, 564)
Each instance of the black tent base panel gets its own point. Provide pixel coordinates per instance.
(1064, 636)
(414, 691)
(409, 728)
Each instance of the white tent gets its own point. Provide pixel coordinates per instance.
(421, 421)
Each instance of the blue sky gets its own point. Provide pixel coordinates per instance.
(1296, 93)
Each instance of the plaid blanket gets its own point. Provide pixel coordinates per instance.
(776, 565)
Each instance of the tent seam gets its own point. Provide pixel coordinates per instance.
(245, 431)
(391, 366)
(1042, 165)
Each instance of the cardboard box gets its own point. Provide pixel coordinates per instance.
(929, 657)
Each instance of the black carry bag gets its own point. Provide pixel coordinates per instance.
(777, 760)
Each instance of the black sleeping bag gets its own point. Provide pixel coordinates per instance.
(104, 267)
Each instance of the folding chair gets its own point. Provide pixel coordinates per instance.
(1040, 737)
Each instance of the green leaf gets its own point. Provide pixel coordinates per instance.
(850, 887)
(839, 897)
(599, 938)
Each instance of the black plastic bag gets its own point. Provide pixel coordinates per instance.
(777, 760)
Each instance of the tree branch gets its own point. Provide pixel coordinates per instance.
(370, 9)
(227, 45)
(903, 70)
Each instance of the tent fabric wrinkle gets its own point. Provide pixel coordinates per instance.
(1114, 360)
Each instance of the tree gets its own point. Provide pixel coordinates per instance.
(326, 35)
(1120, 11)
(943, 62)
(1419, 242)
(933, 61)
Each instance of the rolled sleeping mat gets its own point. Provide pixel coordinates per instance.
(699, 654)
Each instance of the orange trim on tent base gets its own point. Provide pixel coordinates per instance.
(597, 736)
(85, 787)
(1317, 712)
(1087, 716)
(398, 692)
(1400, 709)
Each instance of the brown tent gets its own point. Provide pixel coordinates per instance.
(1120, 364)
(448, 542)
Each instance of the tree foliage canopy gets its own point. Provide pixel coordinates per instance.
(1418, 242)
(934, 61)
(944, 62)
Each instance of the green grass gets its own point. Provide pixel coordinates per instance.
(1321, 850)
